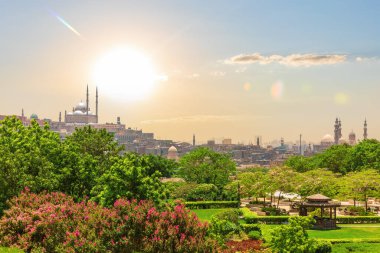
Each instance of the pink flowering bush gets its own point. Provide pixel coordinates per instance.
(53, 222)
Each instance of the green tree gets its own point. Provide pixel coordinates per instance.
(337, 159)
(284, 180)
(366, 155)
(301, 163)
(254, 184)
(27, 158)
(203, 165)
(318, 181)
(125, 179)
(360, 185)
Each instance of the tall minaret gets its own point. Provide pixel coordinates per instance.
(340, 129)
(336, 131)
(365, 134)
(65, 115)
(97, 115)
(60, 117)
(87, 100)
(22, 112)
(193, 140)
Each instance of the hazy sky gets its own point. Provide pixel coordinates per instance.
(232, 69)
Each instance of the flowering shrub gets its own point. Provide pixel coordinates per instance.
(53, 222)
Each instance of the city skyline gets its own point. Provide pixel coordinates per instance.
(271, 69)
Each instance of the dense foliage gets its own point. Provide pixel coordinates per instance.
(55, 223)
(341, 158)
(204, 166)
(86, 164)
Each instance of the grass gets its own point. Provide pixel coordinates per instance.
(356, 247)
(206, 214)
(347, 232)
(9, 250)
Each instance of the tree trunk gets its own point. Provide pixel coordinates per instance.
(366, 202)
(354, 202)
(264, 201)
(271, 198)
(278, 201)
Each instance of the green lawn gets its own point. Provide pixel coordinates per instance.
(351, 231)
(356, 247)
(10, 250)
(206, 214)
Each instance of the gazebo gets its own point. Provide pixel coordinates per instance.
(323, 202)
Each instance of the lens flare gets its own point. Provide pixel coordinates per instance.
(341, 98)
(64, 22)
(277, 90)
(247, 86)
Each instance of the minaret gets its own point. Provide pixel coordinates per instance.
(22, 112)
(365, 134)
(60, 117)
(193, 140)
(340, 129)
(336, 131)
(96, 105)
(87, 101)
(65, 115)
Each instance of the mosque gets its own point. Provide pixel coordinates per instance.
(328, 140)
(81, 113)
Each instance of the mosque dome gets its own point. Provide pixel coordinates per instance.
(81, 107)
(33, 116)
(78, 112)
(172, 149)
(172, 153)
(342, 141)
(352, 135)
(327, 138)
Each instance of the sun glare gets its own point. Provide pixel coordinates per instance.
(125, 74)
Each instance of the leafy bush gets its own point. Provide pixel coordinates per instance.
(293, 238)
(55, 223)
(229, 215)
(323, 247)
(255, 235)
(211, 204)
(203, 192)
(250, 227)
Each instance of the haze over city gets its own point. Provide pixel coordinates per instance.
(252, 68)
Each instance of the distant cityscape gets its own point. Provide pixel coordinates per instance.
(135, 140)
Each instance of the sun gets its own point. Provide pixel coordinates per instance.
(125, 74)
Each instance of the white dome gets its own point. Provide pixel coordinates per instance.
(81, 107)
(172, 149)
(342, 141)
(327, 138)
(78, 112)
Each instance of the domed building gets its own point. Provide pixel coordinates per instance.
(327, 140)
(352, 138)
(81, 113)
(342, 141)
(172, 153)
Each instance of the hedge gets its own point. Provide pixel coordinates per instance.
(357, 219)
(250, 227)
(339, 219)
(211, 204)
(267, 219)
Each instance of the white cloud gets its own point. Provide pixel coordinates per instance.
(192, 118)
(218, 73)
(296, 60)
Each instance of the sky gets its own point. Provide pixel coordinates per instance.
(223, 69)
